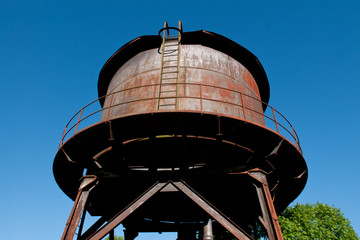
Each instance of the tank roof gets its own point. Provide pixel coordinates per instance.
(202, 37)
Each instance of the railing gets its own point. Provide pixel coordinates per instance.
(85, 117)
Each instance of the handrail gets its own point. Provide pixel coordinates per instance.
(275, 115)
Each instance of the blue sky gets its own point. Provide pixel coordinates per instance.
(51, 53)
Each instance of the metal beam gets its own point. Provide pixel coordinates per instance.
(86, 185)
(81, 224)
(117, 219)
(269, 216)
(188, 191)
(93, 228)
(213, 212)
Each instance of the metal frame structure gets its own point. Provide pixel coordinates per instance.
(100, 229)
(247, 151)
(87, 184)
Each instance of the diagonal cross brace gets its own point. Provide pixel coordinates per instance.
(213, 212)
(180, 186)
(117, 219)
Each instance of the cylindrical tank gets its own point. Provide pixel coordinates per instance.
(209, 81)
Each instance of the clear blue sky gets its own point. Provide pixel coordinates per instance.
(51, 53)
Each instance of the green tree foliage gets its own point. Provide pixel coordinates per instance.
(315, 221)
(116, 238)
(308, 222)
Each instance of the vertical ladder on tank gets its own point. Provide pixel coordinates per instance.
(169, 69)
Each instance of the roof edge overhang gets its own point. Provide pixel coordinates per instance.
(202, 37)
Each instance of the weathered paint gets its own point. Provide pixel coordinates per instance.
(209, 81)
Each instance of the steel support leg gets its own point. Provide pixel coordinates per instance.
(86, 185)
(81, 224)
(269, 217)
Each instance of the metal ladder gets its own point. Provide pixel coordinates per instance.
(169, 68)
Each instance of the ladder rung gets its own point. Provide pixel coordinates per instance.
(169, 84)
(167, 100)
(170, 61)
(170, 73)
(171, 55)
(166, 91)
(169, 38)
(166, 45)
(170, 66)
(169, 77)
(168, 88)
(170, 51)
(172, 83)
(169, 97)
(164, 105)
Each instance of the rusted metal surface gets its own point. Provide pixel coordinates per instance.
(90, 114)
(227, 87)
(87, 184)
(203, 38)
(269, 216)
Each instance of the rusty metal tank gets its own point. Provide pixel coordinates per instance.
(208, 81)
(186, 106)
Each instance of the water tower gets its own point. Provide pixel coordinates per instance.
(183, 134)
